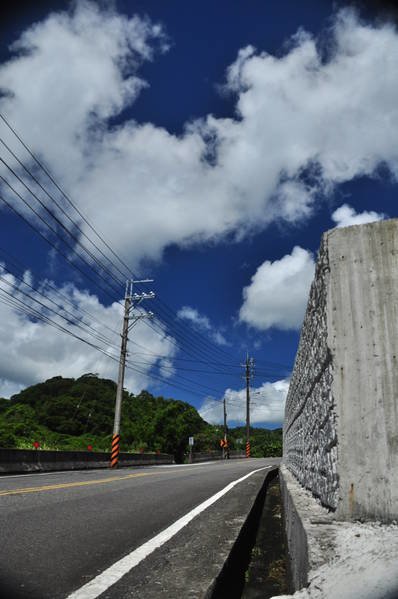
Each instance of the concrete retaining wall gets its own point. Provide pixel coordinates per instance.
(215, 455)
(341, 419)
(27, 460)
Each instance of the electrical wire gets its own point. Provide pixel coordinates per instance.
(201, 346)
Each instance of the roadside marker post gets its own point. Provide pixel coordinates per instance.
(115, 450)
(248, 449)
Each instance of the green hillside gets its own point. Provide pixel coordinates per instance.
(74, 413)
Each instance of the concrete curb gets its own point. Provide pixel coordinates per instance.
(309, 529)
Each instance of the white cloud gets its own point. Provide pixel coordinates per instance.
(267, 404)
(145, 187)
(346, 216)
(278, 293)
(294, 201)
(201, 323)
(33, 351)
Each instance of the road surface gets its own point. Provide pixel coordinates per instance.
(61, 530)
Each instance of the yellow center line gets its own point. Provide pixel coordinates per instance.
(85, 483)
(77, 484)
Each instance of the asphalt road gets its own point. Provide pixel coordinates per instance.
(60, 530)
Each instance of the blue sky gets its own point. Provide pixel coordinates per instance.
(211, 145)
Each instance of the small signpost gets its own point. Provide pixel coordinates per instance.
(89, 447)
(224, 446)
(191, 442)
(36, 444)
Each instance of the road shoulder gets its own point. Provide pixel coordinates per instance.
(188, 565)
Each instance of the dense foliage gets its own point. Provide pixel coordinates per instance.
(74, 413)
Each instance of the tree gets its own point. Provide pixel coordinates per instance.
(72, 413)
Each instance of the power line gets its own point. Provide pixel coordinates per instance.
(201, 346)
(67, 198)
(53, 245)
(60, 207)
(19, 306)
(54, 231)
(73, 315)
(156, 328)
(67, 320)
(164, 310)
(16, 302)
(22, 268)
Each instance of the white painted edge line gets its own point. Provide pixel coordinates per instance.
(111, 575)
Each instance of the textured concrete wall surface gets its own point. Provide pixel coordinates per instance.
(341, 418)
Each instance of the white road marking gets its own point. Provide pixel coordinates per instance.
(114, 573)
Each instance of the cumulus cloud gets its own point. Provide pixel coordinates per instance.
(278, 293)
(305, 122)
(267, 404)
(201, 323)
(33, 351)
(345, 216)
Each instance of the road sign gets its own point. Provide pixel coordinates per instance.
(36, 444)
(190, 441)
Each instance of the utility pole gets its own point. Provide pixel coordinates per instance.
(249, 372)
(130, 318)
(225, 449)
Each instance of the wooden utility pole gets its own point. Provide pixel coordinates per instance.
(249, 367)
(225, 449)
(129, 320)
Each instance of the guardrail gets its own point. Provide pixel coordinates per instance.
(41, 460)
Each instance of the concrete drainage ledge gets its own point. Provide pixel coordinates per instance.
(331, 559)
(231, 580)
